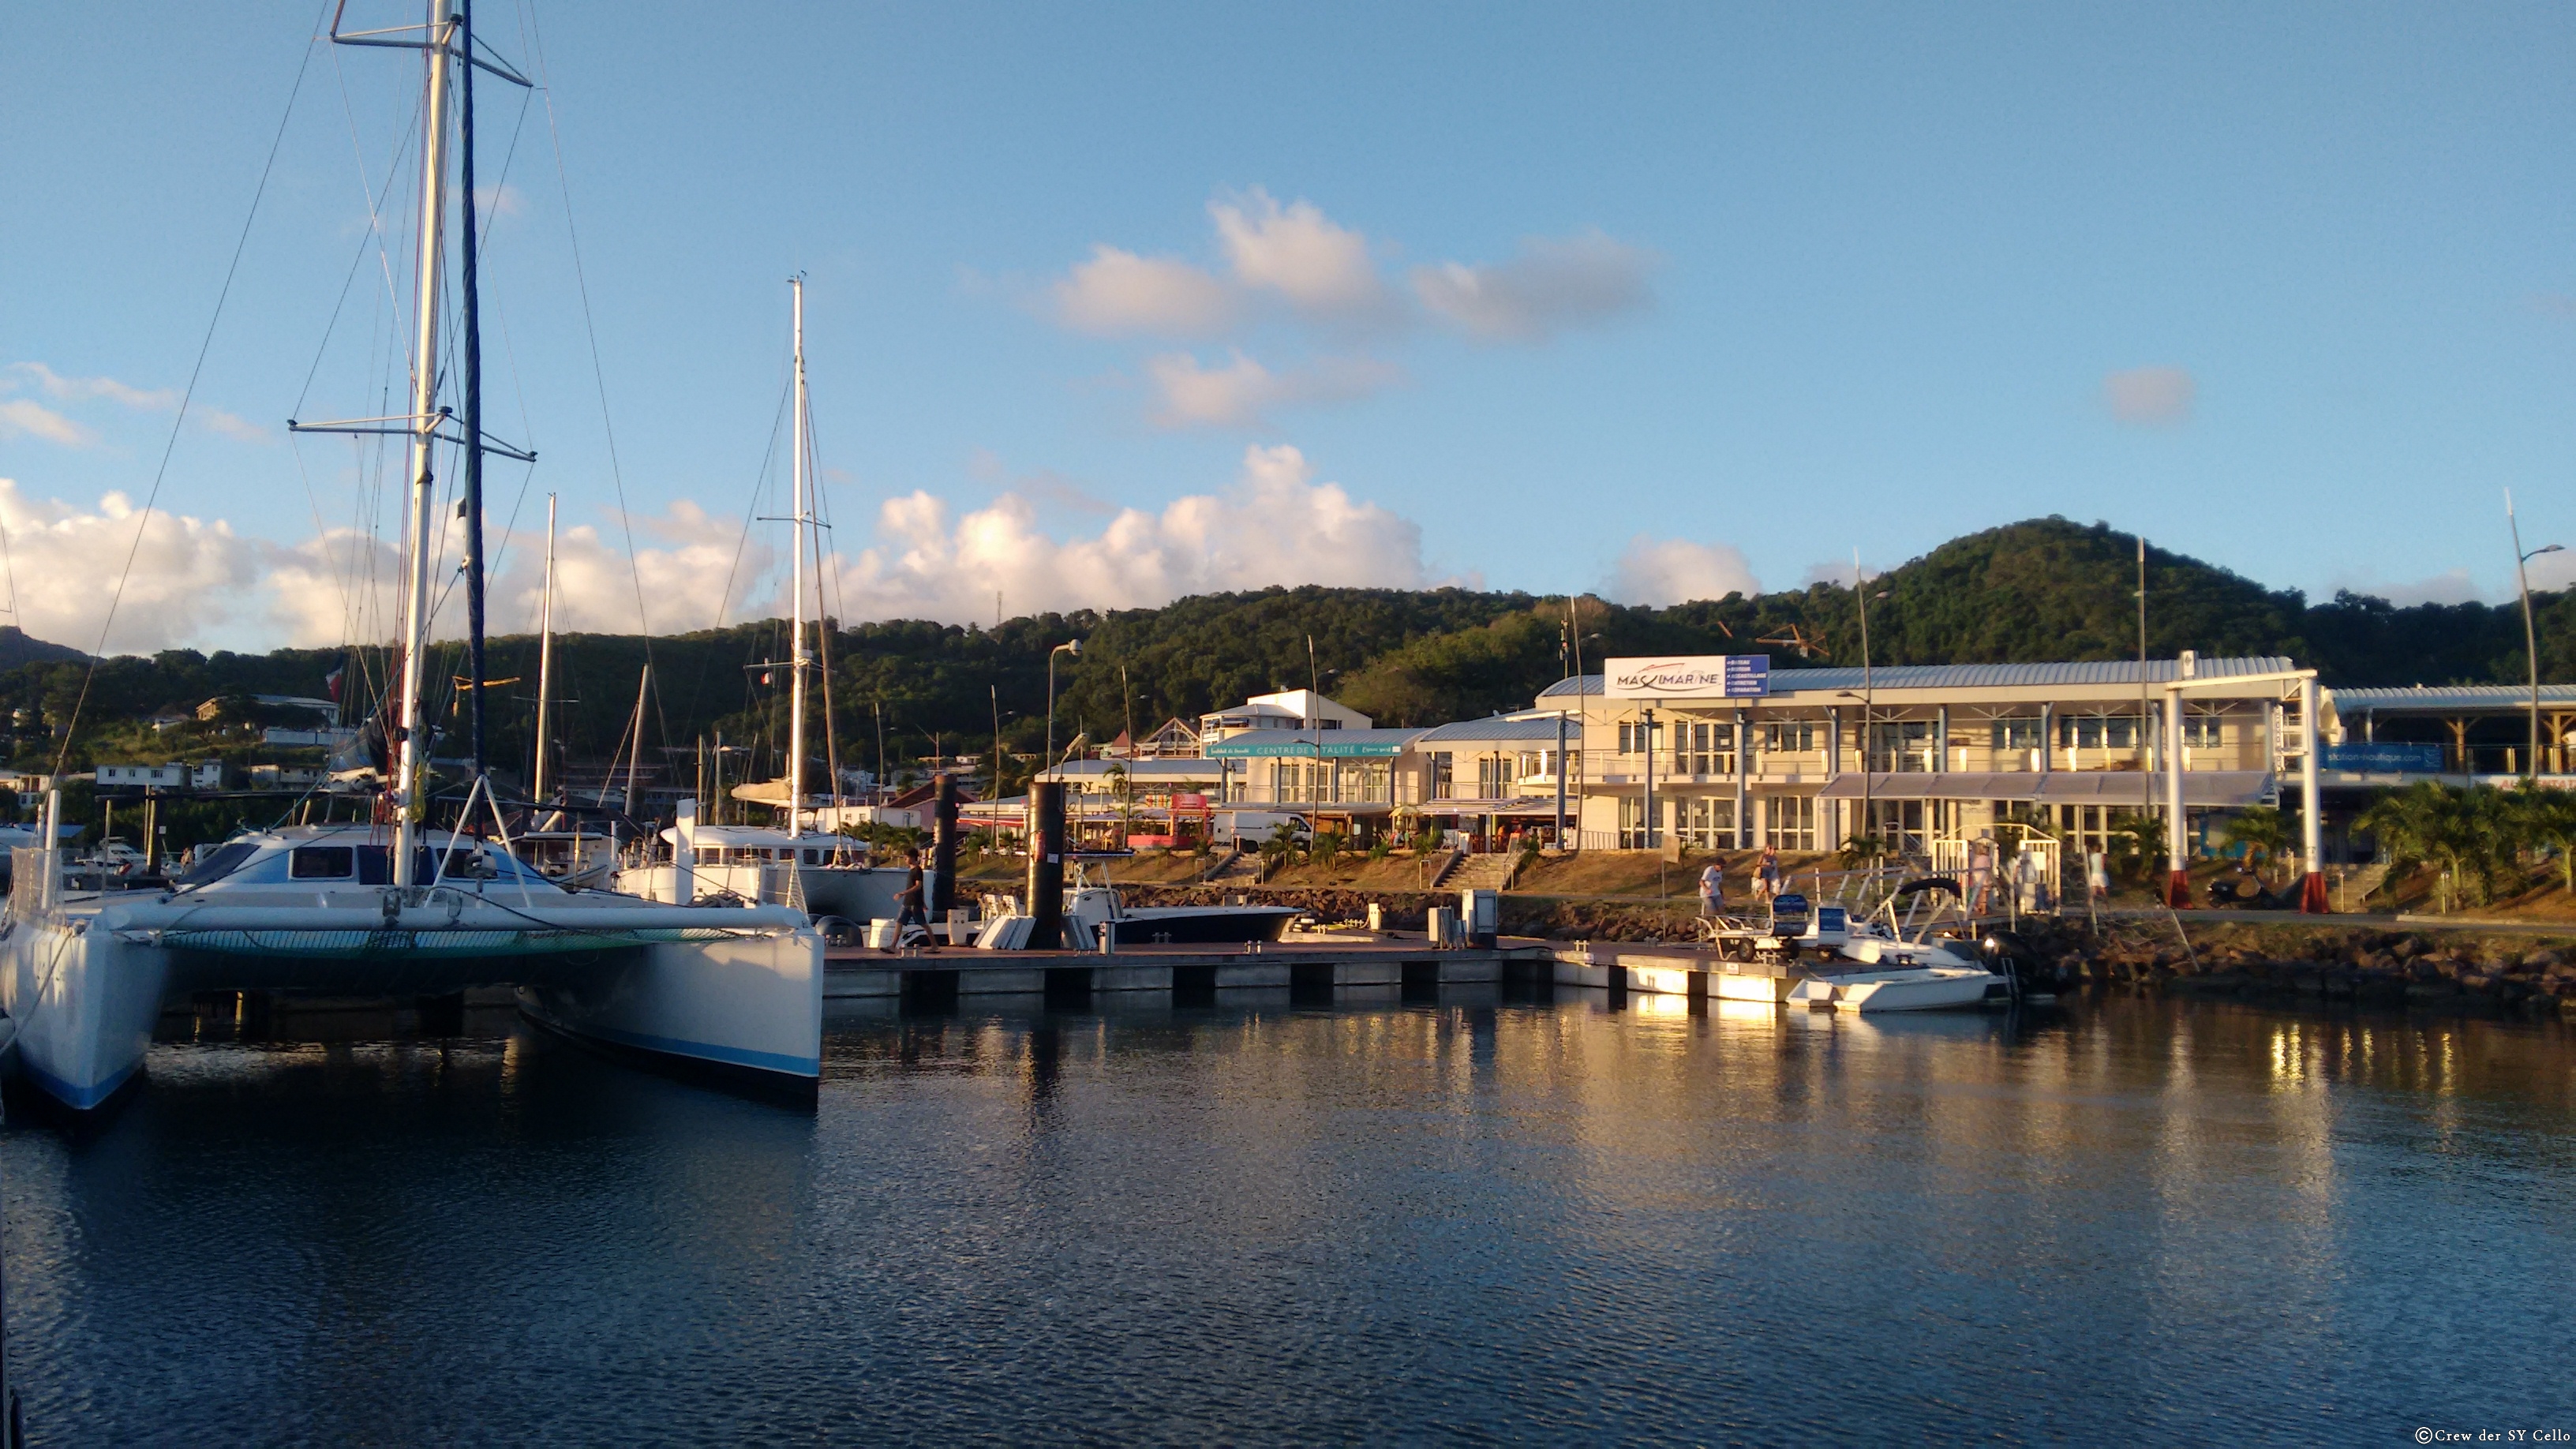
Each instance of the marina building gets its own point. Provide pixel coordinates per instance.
(1922, 755)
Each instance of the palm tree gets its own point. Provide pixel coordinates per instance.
(2263, 831)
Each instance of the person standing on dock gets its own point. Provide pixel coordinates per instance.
(1766, 876)
(1712, 887)
(909, 908)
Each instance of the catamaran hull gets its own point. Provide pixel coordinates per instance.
(737, 988)
(753, 1003)
(84, 1003)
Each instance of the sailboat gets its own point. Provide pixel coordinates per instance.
(400, 907)
(822, 874)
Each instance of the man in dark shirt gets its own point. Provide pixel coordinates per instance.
(909, 907)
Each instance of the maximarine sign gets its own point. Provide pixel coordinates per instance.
(1688, 676)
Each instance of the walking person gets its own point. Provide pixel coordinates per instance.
(1766, 875)
(1712, 887)
(910, 911)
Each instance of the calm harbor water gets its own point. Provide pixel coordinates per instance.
(1472, 1220)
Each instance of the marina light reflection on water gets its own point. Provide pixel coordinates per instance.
(1475, 1218)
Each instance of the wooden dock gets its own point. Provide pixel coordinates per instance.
(1313, 964)
(1319, 964)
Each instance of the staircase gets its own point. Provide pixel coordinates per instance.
(1487, 872)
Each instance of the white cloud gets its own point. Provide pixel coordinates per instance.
(1322, 269)
(27, 418)
(1554, 284)
(1242, 393)
(2150, 396)
(1275, 525)
(1119, 292)
(80, 389)
(190, 577)
(1659, 571)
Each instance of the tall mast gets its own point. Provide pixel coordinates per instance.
(471, 322)
(545, 657)
(424, 423)
(796, 657)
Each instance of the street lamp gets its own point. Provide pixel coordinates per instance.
(1072, 647)
(2530, 637)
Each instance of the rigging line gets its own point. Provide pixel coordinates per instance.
(742, 540)
(143, 520)
(321, 535)
(374, 234)
(393, 168)
(590, 327)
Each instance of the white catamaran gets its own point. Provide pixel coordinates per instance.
(400, 908)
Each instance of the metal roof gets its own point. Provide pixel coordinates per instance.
(1975, 676)
(1301, 744)
(1499, 728)
(2446, 698)
(1183, 768)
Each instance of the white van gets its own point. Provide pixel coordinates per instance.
(1251, 827)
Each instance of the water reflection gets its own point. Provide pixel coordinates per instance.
(1472, 1216)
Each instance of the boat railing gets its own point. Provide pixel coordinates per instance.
(35, 881)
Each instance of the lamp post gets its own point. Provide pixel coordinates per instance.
(1071, 647)
(2530, 636)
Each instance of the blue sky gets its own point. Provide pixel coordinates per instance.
(1651, 300)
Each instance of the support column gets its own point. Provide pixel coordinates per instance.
(2312, 825)
(2177, 877)
(1046, 865)
(2047, 737)
(1743, 778)
(943, 845)
(1834, 767)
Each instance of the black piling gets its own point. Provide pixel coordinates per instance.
(1046, 865)
(943, 845)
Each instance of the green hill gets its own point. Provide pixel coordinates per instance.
(2042, 589)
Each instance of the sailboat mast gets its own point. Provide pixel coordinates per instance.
(796, 657)
(471, 322)
(424, 422)
(545, 658)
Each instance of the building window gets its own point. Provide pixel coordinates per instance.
(1789, 737)
(1707, 823)
(2099, 732)
(1700, 748)
(1634, 736)
(1493, 777)
(1440, 780)
(1633, 834)
(1792, 823)
(2017, 734)
(2202, 731)
(1901, 746)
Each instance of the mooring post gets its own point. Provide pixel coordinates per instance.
(1046, 865)
(943, 845)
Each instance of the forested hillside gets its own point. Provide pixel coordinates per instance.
(2045, 589)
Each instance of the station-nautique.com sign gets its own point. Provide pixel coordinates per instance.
(1688, 676)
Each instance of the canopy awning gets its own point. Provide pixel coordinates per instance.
(2207, 788)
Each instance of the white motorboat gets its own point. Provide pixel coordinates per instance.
(315, 908)
(1894, 986)
(1900, 961)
